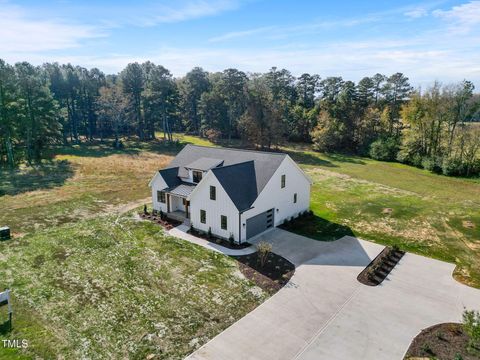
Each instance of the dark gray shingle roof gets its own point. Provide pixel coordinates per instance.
(239, 182)
(204, 164)
(170, 175)
(265, 163)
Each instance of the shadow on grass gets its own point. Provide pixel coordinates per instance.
(317, 228)
(97, 148)
(345, 158)
(6, 327)
(309, 159)
(45, 176)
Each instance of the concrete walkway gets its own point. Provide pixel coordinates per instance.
(181, 232)
(325, 313)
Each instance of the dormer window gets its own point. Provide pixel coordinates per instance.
(197, 176)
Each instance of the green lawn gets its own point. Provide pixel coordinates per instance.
(88, 284)
(116, 287)
(392, 203)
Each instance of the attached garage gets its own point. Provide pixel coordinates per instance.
(259, 223)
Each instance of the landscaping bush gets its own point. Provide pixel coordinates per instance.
(471, 325)
(263, 249)
(384, 149)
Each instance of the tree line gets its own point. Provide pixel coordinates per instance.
(380, 116)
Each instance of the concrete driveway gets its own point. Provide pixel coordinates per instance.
(325, 313)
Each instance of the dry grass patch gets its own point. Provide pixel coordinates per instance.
(96, 185)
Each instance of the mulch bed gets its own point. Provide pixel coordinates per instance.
(445, 341)
(276, 272)
(168, 224)
(219, 241)
(380, 267)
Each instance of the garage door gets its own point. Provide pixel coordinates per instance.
(259, 223)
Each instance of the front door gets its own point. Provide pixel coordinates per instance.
(186, 205)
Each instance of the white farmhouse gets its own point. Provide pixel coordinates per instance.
(234, 193)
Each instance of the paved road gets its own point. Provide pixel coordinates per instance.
(324, 313)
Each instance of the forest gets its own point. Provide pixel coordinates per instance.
(381, 116)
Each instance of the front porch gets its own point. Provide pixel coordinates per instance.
(178, 207)
(179, 215)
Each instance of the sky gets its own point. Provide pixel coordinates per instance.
(426, 40)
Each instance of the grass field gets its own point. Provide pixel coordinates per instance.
(89, 282)
(116, 287)
(392, 203)
(81, 181)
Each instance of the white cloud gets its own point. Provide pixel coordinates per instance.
(347, 59)
(433, 54)
(241, 34)
(416, 13)
(181, 11)
(20, 32)
(462, 18)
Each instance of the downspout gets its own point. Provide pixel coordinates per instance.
(240, 223)
(239, 227)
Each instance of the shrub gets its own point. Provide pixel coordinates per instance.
(213, 135)
(264, 249)
(384, 149)
(162, 215)
(416, 160)
(471, 325)
(432, 164)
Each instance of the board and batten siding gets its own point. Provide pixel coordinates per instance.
(158, 184)
(223, 205)
(281, 199)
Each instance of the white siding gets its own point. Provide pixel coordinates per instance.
(273, 196)
(223, 205)
(176, 203)
(157, 184)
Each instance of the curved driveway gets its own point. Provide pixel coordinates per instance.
(325, 313)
